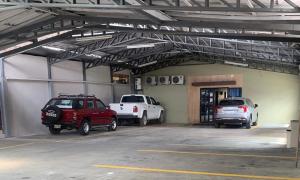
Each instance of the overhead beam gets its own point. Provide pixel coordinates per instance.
(291, 28)
(262, 5)
(38, 43)
(146, 7)
(128, 55)
(114, 40)
(291, 3)
(260, 37)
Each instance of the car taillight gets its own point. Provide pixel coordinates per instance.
(244, 108)
(218, 109)
(135, 109)
(74, 115)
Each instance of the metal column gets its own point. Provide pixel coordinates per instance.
(85, 84)
(50, 82)
(111, 72)
(3, 99)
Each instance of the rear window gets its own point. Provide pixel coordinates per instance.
(66, 103)
(133, 99)
(231, 102)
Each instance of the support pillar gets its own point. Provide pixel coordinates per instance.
(85, 84)
(111, 72)
(3, 99)
(50, 82)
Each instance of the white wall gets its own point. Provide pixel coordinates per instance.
(27, 86)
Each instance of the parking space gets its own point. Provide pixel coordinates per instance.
(159, 152)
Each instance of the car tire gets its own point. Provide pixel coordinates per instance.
(217, 125)
(161, 118)
(85, 128)
(255, 123)
(53, 130)
(248, 124)
(114, 125)
(143, 121)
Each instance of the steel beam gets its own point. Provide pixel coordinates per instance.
(259, 37)
(39, 43)
(116, 39)
(291, 3)
(59, 4)
(128, 55)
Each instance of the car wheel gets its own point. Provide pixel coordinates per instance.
(255, 123)
(161, 118)
(113, 125)
(143, 120)
(248, 124)
(85, 128)
(217, 125)
(53, 130)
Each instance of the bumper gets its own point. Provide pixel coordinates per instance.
(127, 116)
(231, 120)
(64, 125)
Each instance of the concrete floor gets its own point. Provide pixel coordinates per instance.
(152, 152)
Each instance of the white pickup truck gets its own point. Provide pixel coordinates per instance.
(140, 107)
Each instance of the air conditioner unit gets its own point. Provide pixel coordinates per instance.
(178, 79)
(151, 80)
(164, 80)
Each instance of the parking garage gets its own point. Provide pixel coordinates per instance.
(188, 55)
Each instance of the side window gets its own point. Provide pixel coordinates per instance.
(90, 104)
(80, 104)
(153, 101)
(100, 105)
(148, 100)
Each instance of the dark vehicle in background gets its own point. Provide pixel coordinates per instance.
(240, 111)
(77, 112)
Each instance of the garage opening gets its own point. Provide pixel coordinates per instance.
(210, 99)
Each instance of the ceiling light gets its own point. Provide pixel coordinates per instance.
(53, 48)
(135, 46)
(236, 64)
(91, 38)
(147, 64)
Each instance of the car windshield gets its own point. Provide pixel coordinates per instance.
(132, 99)
(231, 102)
(66, 103)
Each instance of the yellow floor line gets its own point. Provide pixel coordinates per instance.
(216, 154)
(19, 145)
(193, 172)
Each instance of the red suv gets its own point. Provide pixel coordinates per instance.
(77, 111)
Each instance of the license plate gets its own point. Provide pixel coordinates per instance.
(57, 126)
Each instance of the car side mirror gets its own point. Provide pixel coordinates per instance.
(157, 103)
(255, 105)
(107, 107)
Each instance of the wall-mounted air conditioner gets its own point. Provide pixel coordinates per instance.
(178, 79)
(164, 80)
(151, 80)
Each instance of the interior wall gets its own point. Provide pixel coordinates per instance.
(276, 94)
(27, 89)
(26, 95)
